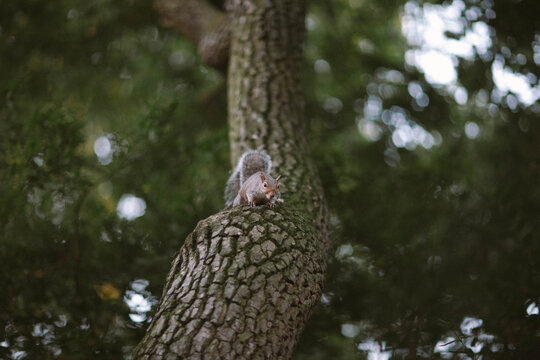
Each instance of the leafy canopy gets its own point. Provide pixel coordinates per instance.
(114, 144)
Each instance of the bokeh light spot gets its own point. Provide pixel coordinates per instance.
(130, 207)
(103, 150)
(472, 130)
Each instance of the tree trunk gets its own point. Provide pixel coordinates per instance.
(246, 280)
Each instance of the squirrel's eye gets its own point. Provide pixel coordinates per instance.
(265, 184)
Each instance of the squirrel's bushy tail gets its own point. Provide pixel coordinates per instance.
(249, 163)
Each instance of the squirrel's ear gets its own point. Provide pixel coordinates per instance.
(279, 176)
(263, 178)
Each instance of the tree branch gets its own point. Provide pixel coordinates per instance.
(202, 23)
(238, 289)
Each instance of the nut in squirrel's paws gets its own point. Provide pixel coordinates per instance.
(274, 204)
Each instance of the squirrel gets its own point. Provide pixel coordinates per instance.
(251, 181)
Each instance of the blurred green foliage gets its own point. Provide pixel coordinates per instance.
(425, 239)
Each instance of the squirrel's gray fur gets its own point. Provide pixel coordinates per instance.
(249, 163)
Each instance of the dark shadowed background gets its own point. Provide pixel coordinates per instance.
(425, 125)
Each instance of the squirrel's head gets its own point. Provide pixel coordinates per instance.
(270, 186)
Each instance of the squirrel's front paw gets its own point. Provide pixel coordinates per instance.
(251, 203)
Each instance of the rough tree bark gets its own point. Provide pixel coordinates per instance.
(246, 279)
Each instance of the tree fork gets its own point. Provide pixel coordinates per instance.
(247, 279)
(202, 23)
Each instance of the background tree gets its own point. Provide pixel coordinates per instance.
(114, 145)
